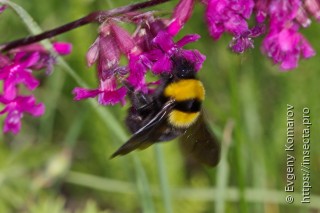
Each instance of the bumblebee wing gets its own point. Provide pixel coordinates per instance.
(200, 143)
(147, 134)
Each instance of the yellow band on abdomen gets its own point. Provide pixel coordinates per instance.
(182, 119)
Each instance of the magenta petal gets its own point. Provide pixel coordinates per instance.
(109, 55)
(15, 109)
(313, 7)
(109, 51)
(162, 65)
(28, 104)
(241, 44)
(243, 7)
(12, 123)
(216, 30)
(187, 39)
(10, 91)
(28, 80)
(112, 97)
(37, 110)
(226, 15)
(22, 77)
(3, 8)
(286, 46)
(174, 27)
(137, 80)
(306, 49)
(181, 15)
(289, 62)
(261, 16)
(195, 57)
(93, 53)
(284, 10)
(4, 60)
(4, 72)
(145, 60)
(288, 40)
(257, 30)
(153, 55)
(137, 72)
(123, 38)
(82, 93)
(164, 41)
(261, 10)
(31, 59)
(62, 48)
(236, 25)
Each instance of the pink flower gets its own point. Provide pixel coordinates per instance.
(228, 16)
(19, 72)
(62, 48)
(107, 93)
(138, 66)
(242, 42)
(46, 60)
(15, 110)
(17, 68)
(283, 43)
(313, 7)
(146, 32)
(106, 50)
(261, 9)
(3, 8)
(167, 49)
(286, 46)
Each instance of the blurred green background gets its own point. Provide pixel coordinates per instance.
(60, 162)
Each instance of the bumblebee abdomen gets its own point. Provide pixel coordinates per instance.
(181, 119)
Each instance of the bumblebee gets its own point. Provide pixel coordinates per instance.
(174, 109)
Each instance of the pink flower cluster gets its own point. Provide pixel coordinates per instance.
(150, 47)
(17, 68)
(283, 43)
(282, 20)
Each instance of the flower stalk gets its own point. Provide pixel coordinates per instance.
(96, 16)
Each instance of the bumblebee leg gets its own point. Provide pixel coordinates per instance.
(138, 99)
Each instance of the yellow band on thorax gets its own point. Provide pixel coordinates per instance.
(185, 89)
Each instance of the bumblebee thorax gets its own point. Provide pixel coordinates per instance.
(185, 89)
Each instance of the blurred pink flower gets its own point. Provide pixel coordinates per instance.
(16, 68)
(15, 110)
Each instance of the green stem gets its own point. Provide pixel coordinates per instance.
(253, 195)
(233, 77)
(223, 168)
(165, 189)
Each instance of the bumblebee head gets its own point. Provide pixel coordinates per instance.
(182, 68)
